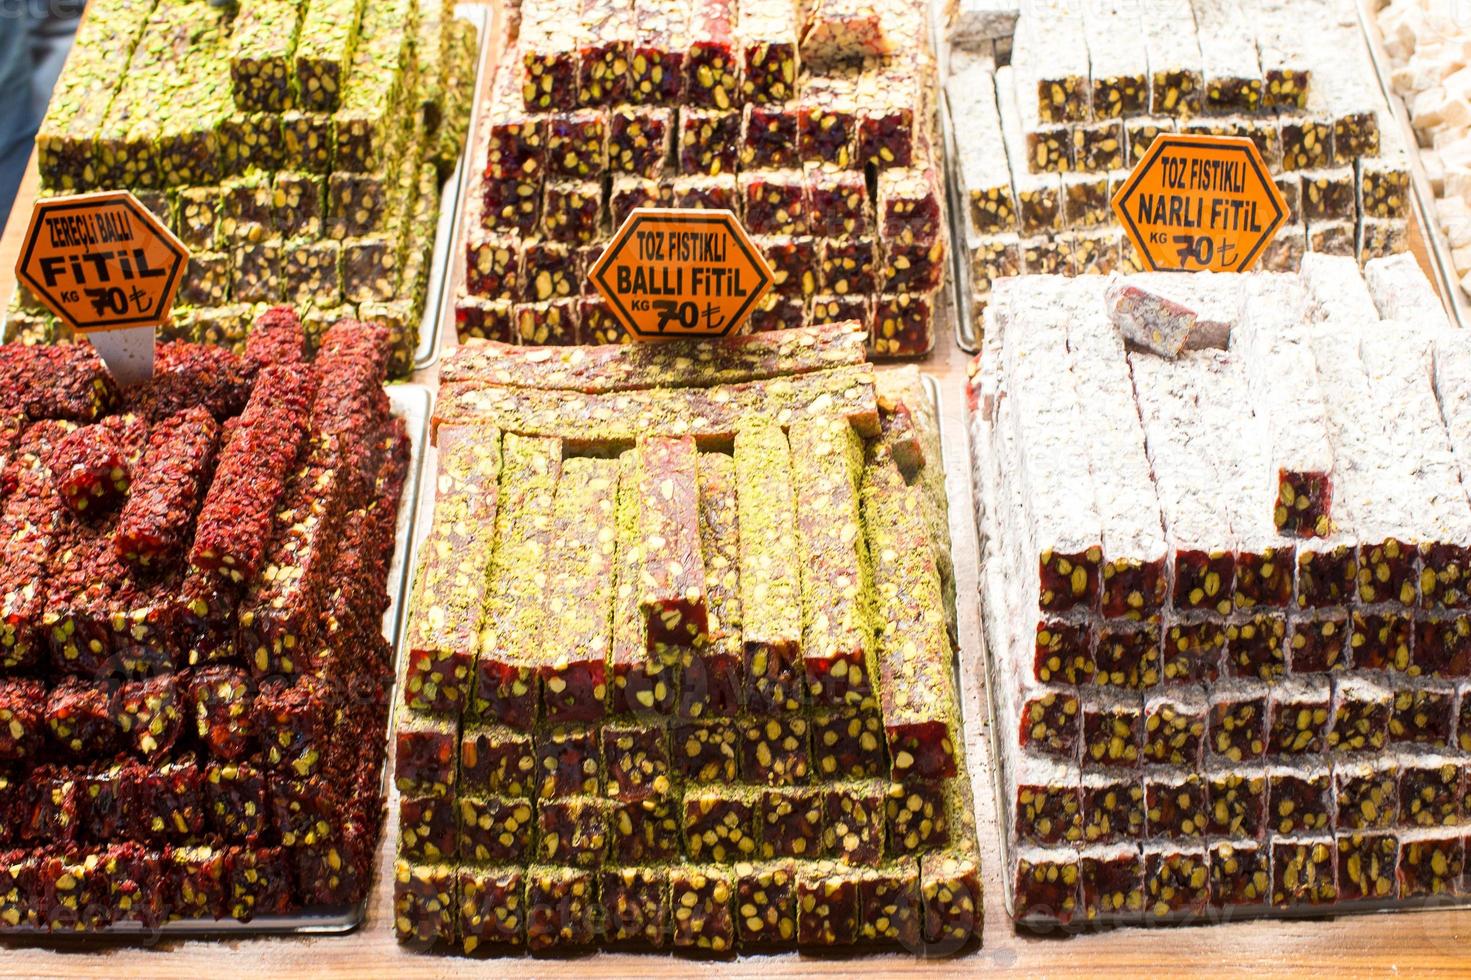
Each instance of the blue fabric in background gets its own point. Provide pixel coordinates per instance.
(35, 36)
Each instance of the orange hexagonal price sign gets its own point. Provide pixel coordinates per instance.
(681, 272)
(101, 262)
(1197, 202)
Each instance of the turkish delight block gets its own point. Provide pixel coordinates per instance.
(358, 204)
(1257, 647)
(635, 905)
(1307, 142)
(1328, 195)
(775, 750)
(75, 893)
(568, 762)
(890, 905)
(915, 817)
(50, 801)
(1085, 201)
(23, 719)
(1332, 238)
(1051, 723)
(506, 206)
(721, 824)
(1384, 187)
(790, 822)
(1112, 879)
(827, 904)
(1176, 880)
(706, 752)
(195, 882)
(700, 897)
(197, 216)
(607, 37)
(1367, 795)
(1304, 872)
(639, 140)
(257, 272)
(636, 757)
(766, 903)
(1284, 252)
(306, 142)
(673, 597)
(515, 140)
(794, 264)
(235, 793)
(495, 760)
(258, 881)
(1327, 573)
(1382, 237)
(1112, 807)
(551, 323)
(705, 191)
(572, 211)
(311, 271)
(767, 34)
(832, 308)
(21, 894)
(1361, 714)
(913, 267)
(1299, 801)
(771, 602)
(304, 811)
(1192, 651)
(769, 136)
(155, 522)
(847, 743)
(709, 141)
(90, 471)
(1049, 807)
(550, 270)
(1140, 133)
(427, 828)
(645, 830)
(238, 510)
(1236, 802)
(1298, 715)
(1290, 186)
(1430, 864)
(1422, 716)
(1099, 146)
(656, 66)
(777, 312)
(1367, 865)
(561, 907)
(424, 903)
(775, 202)
(1112, 732)
(827, 121)
(853, 822)
(1240, 874)
(1045, 885)
(645, 674)
(994, 257)
(491, 908)
(712, 62)
(1231, 69)
(1126, 654)
(1174, 729)
(477, 318)
(908, 205)
(577, 144)
(1175, 804)
(903, 325)
(224, 710)
(493, 264)
(261, 45)
(425, 754)
(572, 831)
(1431, 792)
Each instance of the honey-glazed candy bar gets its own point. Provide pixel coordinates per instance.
(256, 271)
(1045, 884)
(1112, 877)
(775, 202)
(829, 308)
(639, 140)
(1366, 866)
(260, 56)
(424, 903)
(576, 637)
(1098, 147)
(1431, 792)
(775, 750)
(644, 676)
(645, 830)
(711, 414)
(771, 599)
(568, 762)
(1299, 800)
(598, 324)
(903, 325)
(722, 824)
(306, 141)
(712, 62)
(656, 74)
(635, 905)
(777, 312)
(490, 909)
(1050, 60)
(549, 41)
(766, 903)
(572, 831)
(913, 267)
(577, 144)
(701, 899)
(608, 31)
(769, 135)
(794, 264)
(553, 322)
(477, 318)
(1430, 864)
(849, 267)
(890, 101)
(709, 141)
(1231, 69)
(235, 519)
(1422, 715)
(706, 191)
(827, 120)
(1304, 871)
(90, 471)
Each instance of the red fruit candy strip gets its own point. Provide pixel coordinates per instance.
(155, 522)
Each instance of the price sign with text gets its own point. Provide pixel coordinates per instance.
(674, 272)
(101, 262)
(1198, 202)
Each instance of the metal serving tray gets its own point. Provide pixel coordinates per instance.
(412, 403)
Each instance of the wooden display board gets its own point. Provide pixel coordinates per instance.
(1422, 942)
